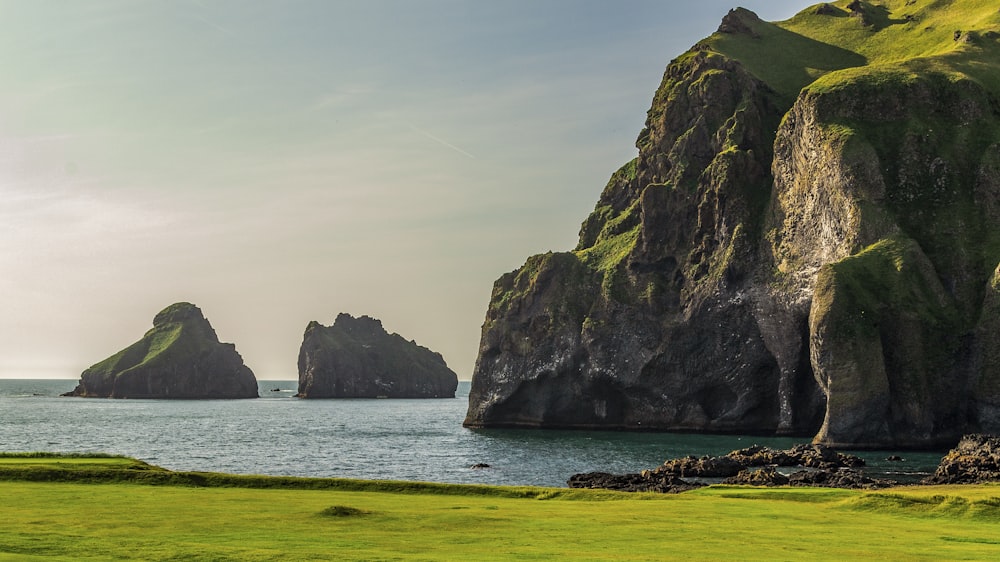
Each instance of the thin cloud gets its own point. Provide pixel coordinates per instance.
(212, 24)
(343, 96)
(441, 141)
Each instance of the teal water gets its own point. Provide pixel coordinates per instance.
(374, 439)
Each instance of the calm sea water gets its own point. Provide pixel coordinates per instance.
(374, 439)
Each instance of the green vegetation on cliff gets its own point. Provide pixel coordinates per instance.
(866, 49)
(808, 233)
(179, 357)
(961, 37)
(887, 274)
(172, 332)
(148, 351)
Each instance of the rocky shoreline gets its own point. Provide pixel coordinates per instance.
(975, 460)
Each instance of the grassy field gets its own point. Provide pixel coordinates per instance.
(257, 518)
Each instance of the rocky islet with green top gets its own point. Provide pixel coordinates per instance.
(181, 357)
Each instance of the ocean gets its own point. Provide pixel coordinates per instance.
(419, 440)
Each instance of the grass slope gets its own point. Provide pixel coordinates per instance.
(76, 521)
(951, 36)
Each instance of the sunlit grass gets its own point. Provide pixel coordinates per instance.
(916, 34)
(399, 521)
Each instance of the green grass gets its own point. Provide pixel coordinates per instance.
(153, 346)
(70, 520)
(71, 463)
(608, 253)
(920, 34)
(890, 273)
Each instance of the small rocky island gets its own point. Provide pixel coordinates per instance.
(357, 358)
(179, 358)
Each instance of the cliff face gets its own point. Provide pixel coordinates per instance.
(180, 358)
(611, 334)
(356, 358)
(806, 244)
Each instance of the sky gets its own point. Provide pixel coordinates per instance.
(277, 162)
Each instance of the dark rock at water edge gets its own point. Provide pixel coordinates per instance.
(823, 478)
(179, 358)
(767, 476)
(975, 460)
(831, 469)
(806, 455)
(780, 258)
(357, 358)
(841, 478)
(642, 482)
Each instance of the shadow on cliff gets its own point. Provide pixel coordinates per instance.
(785, 60)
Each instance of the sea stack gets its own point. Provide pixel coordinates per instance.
(179, 358)
(357, 358)
(806, 244)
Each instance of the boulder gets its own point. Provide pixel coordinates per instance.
(357, 358)
(767, 476)
(179, 358)
(643, 482)
(842, 478)
(975, 460)
(753, 466)
(704, 467)
(740, 21)
(810, 455)
(823, 478)
(804, 455)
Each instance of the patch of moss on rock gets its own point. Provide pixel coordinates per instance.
(883, 342)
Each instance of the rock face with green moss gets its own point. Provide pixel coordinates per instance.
(356, 358)
(807, 243)
(179, 358)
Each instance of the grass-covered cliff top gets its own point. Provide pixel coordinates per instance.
(840, 39)
(180, 328)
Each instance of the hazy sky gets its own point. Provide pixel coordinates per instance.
(280, 162)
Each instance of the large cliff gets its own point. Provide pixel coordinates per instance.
(180, 357)
(357, 358)
(807, 243)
